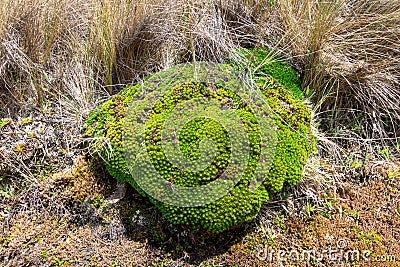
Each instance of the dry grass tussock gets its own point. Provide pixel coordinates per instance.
(70, 49)
(348, 52)
(73, 53)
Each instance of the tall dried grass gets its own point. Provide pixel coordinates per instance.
(45, 43)
(349, 54)
(76, 51)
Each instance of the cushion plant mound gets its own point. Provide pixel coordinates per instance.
(239, 204)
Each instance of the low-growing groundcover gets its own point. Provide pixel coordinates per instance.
(292, 145)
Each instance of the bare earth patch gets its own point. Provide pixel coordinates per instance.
(82, 217)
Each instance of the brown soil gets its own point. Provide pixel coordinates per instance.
(81, 217)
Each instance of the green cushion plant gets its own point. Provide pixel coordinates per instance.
(294, 141)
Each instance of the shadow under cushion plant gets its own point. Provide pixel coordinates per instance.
(293, 146)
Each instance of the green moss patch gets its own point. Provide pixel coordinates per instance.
(240, 204)
(267, 65)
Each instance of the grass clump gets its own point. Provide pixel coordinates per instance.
(294, 143)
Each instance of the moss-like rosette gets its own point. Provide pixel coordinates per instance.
(294, 144)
